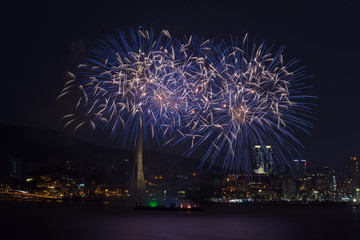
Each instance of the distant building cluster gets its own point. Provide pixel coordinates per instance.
(112, 181)
(321, 184)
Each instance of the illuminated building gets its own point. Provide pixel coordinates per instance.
(354, 171)
(263, 159)
(300, 167)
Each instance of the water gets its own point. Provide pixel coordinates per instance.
(53, 220)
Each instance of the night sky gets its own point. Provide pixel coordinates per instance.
(45, 40)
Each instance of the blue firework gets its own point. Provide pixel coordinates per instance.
(255, 100)
(130, 82)
(226, 98)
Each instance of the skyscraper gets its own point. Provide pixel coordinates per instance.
(354, 171)
(300, 167)
(263, 156)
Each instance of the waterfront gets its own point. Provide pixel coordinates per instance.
(104, 220)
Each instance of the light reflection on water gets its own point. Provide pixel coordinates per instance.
(195, 227)
(117, 221)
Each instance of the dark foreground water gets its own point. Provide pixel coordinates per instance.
(53, 220)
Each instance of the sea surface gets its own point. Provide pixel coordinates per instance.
(114, 221)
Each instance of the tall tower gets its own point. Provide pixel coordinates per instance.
(354, 171)
(300, 167)
(264, 160)
(138, 181)
(297, 166)
(270, 165)
(303, 167)
(259, 160)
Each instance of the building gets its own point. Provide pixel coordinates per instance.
(288, 187)
(15, 169)
(354, 171)
(300, 167)
(264, 163)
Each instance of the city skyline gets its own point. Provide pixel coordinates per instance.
(271, 87)
(107, 176)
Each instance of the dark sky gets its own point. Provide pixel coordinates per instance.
(45, 40)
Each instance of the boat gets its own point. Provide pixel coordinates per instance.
(172, 207)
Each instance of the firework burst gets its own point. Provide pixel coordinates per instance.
(227, 98)
(129, 82)
(255, 100)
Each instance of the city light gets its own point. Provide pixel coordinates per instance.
(153, 204)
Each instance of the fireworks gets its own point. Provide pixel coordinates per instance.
(227, 98)
(256, 100)
(130, 82)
